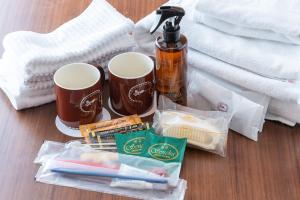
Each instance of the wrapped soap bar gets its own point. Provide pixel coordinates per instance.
(206, 130)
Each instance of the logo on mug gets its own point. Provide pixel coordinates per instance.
(138, 90)
(89, 101)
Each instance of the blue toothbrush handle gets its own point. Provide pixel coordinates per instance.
(110, 175)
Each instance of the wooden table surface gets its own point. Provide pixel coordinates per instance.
(268, 169)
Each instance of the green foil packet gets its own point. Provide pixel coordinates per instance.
(166, 149)
(148, 144)
(132, 143)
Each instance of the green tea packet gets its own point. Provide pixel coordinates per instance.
(148, 144)
(132, 143)
(166, 149)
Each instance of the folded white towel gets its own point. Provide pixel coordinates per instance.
(270, 59)
(30, 59)
(265, 19)
(287, 111)
(19, 86)
(98, 31)
(281, 119)
(25, 101)
(282, 90)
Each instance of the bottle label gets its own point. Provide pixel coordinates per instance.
(171, 78)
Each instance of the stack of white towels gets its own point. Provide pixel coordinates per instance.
(30, 59)
(244, 57)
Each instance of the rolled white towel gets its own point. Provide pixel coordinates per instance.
(264, 19)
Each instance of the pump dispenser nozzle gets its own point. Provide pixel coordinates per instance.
(171, 28)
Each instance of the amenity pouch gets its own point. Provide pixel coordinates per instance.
(206, 130)
(85, 168)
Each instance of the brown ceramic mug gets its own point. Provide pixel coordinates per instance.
(78, 89)
(131, 83)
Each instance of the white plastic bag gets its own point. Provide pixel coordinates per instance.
(207, 92)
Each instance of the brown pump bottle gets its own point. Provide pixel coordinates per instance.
(171, 56)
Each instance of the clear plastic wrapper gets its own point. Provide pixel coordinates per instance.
(49, 150)
(206, 130)
(109, 172)
(207, 92)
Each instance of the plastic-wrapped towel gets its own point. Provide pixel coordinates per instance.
(206, 94)
(30, 59)
(274, 109)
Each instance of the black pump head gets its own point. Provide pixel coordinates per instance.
(168, 12)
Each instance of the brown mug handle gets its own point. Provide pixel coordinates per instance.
(155, 79)
(102, 75)
(154, 70)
